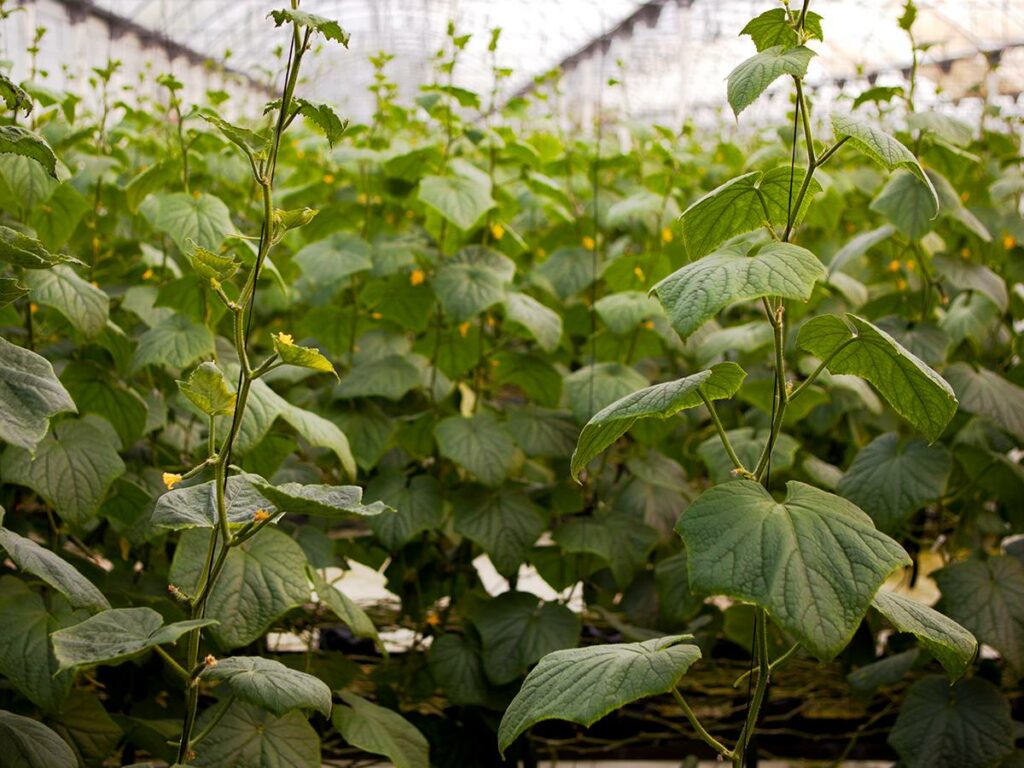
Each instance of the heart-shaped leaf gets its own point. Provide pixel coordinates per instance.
(270, 684)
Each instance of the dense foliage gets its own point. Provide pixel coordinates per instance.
(785, 372)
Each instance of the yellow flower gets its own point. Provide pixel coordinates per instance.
(911, 266)
(300, 153)
(463, 329)
(410, 213)
(376, 315)
(171, 479)
(901, 284)
(648, 324)
(965, 253)
(417, 276)
(361, 198)
(260, 516)
(433, 619)
(495, 363)
(33, 307)
(197, 194)
(639, 273)
(894, 265)
(497, 231)
(588, 243)
(701, 171)
(541, 252)
(376, 200)
(1009, 242)
(286, 339)
(328, 178)
(965, 196)
(666, 235)
(147, 275)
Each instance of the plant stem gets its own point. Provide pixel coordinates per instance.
(708, 739)
(721, 432)
(763, 663)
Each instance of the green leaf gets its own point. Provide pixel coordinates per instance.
(329, 28)
(11, 289)
(263, 578)
(582, 685)
(542, 432)
(462, 200)
(323, 118)
(622, 312)
(391, 377)
(567, 271)
(303, 357)
(148, 181)
(504, 522)
(860, 245)
(84, 305)
(891, 479)
(773, 28)
(84, 724)
(247, 736)
(342, 606)
(987, 597)
(53, 569)
(72, 467)
(27, 743)
(742, 205)
(195, 506)
(915, 391)
(592, 387)
(202, 218)
(479, 444)
(248, 141)
(327, 262)
(208, 390)
(25, 656)
(317, 431)
(176, 342)
(466, 290)
(659, 401)
(270, 685)
(456, 665)
(951, 644)
(699, 291)
(30, 394)
(116, 635)
(209, 265)
(333, 501)
(417, 503)
(15, 140)
(518, 630)
(750, 79)
(953, 726)
(813, 561)
(56, 219)
(677, 603)
(14, 96)
(380, 731)
(543, 323)
(966, 275)
(985, 393)
(907, 203)
(883, 149)
(748, 442)
(20, 250)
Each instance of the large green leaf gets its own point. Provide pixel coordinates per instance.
(543, 323)
(26, 659)
(202, 218)
(582, 685)
(659, 401)
(116, 635)
(462, 200)
(53, 569)
(987, 597)
(329, 28)
(96, 391)
(208, 390)
(417, 504)
(967, 725)
(381, 731)
(891, 479)
(30, 394)
(622, 312)
(247, 736)
(175, 341)
(83, 723)
(750, 79)
(589, 389)
(915, 391)
(195, 506)
(985, 393)
(332, 501)
(56, 220)
(270, 684)
(342, 606)
(814, 561)
(950, 643)
(72, 467)
(327, 262)
(84, 305)
(504, 522)
(742, 205)
(699, 291)
(478, 443)
(908, 203)
(517, 630)
(263, 579)
(20, 250)
(27, 743)
(456, 665)
(466, 290)
(15, 140)
(883, 149)
(774, 27)
(391, 377)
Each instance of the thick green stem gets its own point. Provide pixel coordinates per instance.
(761, 687)
(722, 434)
(708, 739)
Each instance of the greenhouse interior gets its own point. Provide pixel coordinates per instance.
(512, 384)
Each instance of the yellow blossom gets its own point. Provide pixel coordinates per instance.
(965, 253)
(901, 284)
(894, 265)
(417, 276)
(588, 243)
(1009, 242)
(376, 315)
(285, 338)
(666, 235)
(171, 479)
(701, 171)
(648, 324)
(361, 198)
(328, 178)
(197, 194)
(147, 275)
(541, 252)
(433, 619)
(300, 153)
(911, 266)
(965, 196)
(260, 515)
(463, 329)
(639, 273)
(491, 322)
(497, 231)
(410, 214)
(33, 307)
(376, 200)
(389, 218)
